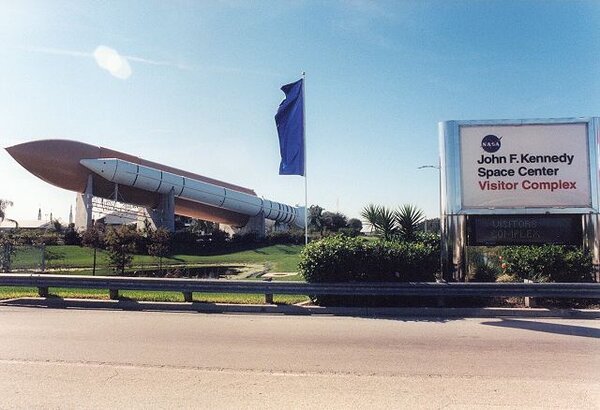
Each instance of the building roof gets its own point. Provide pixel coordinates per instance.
(8, 223)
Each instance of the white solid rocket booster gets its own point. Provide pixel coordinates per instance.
(154, 180)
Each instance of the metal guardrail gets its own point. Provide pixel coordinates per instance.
(187, 286)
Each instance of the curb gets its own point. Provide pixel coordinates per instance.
(368, 312)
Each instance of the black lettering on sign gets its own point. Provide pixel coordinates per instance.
(492, 230)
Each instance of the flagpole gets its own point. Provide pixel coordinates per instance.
(305, 173)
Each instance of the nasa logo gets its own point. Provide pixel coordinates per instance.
(490, 143)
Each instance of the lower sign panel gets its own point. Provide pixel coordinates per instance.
(490, 230)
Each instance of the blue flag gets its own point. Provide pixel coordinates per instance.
(290, 127)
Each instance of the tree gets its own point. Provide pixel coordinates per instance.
(381, 219)
(120, 243)
(409, 217)
(160, 244)
(7, 251)
(389, 224)
(4, 203)
(57, 226)
(355, 224)
(93, 237)
(71, 236)
(315, 219)
(334, 221)
(200, 227)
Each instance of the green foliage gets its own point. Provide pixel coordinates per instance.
(408, 218)
(37, 237)
(291, 236)
(354, 225)
(334, 221)
(71, 236)
(482, 266)
(315, 219)
(382, 220)
(195, 241)
(7, 251)
(278, 258)
(547, 263)
(388, 224)
(344, 259)
(159, 244)
(57, 226)
(93, 237)
(121, 243)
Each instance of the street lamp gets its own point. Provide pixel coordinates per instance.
(439, 169)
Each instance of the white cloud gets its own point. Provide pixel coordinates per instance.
(110, 60)
(119, 65)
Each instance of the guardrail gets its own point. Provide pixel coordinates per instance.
(187, 286)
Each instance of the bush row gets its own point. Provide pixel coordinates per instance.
(542, 263)
(547, 263)
(347, 259)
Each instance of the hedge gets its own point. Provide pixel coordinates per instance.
(345, 259)
(547, 263)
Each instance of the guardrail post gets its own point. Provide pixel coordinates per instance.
(43, 291)
(187, 296)
(268, 296)
(113, 294)
(529, 302)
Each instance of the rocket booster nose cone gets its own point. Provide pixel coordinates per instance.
(103, 167)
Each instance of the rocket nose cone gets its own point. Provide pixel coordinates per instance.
(55, 161)
(92, 164)
(103, 167)
(19, 152)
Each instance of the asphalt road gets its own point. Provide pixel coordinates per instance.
(52, 358)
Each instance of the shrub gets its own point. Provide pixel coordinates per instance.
(159, 244)
(290, 237)
(121, 243)
(7, 251)
(346, 259)
(483, 266)
(547, 263)
(71, 236)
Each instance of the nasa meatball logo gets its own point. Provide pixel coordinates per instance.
(490, 143)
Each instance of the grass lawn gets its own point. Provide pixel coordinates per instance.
(276, 258)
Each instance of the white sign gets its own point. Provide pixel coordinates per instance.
(525, 166)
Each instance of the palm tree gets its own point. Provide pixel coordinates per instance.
(381, 219)
(370, 215)
(409, 217)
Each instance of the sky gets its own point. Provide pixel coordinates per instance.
(196, 84)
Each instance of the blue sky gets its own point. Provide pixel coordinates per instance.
(205, 79)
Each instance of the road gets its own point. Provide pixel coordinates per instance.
(70, 358)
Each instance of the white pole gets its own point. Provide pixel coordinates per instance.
(304, 143)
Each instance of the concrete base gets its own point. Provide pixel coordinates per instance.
(83, 207)
(164, 215)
